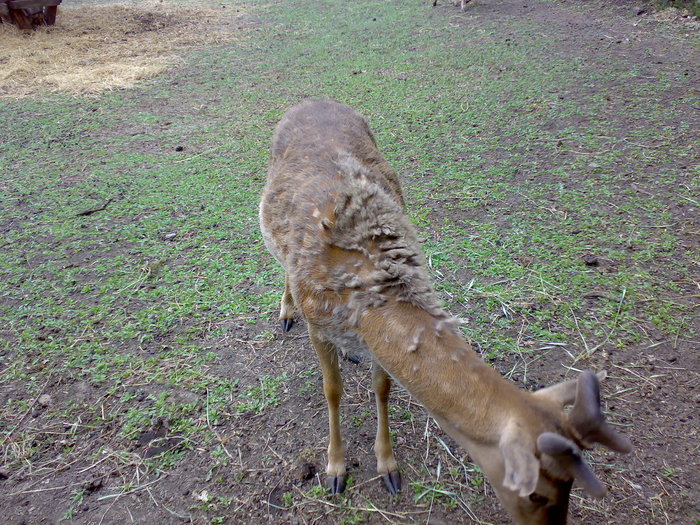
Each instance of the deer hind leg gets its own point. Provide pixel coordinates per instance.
(386, 462)
(333, 389)
(287, 308)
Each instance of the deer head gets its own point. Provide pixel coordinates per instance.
(533, 474)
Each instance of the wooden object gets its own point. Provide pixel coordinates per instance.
(27, 14)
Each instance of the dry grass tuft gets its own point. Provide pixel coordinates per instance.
(677, 15)
(96, 48)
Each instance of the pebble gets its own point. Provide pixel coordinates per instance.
(45, 400)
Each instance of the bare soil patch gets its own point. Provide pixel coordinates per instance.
(93, 48)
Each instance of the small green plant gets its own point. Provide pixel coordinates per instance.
(310, 382)
(669, 472)
(476, 480)
(434, 491)
(212, 503)
(220, 455)
(77, 498)
(316, 491)
(401, 414)
(352, 518)
(256, 398)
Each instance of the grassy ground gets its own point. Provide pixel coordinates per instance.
(549, 157)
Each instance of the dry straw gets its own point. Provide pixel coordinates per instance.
(94, 48)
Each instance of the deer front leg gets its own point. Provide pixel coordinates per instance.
(386, 463)
(333, 389)
(287, 308)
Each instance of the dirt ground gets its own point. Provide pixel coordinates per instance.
(659, 483)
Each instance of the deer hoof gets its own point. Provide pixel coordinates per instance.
(353, 358)
(392, 481)
(287, 324)
(336, 484)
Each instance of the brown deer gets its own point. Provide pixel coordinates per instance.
(333, 215)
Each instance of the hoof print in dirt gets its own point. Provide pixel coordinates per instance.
(304, 471)
(93, 485)
(591, 260)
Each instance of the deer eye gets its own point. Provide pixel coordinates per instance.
(539, 499)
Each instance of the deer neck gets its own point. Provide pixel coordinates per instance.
(426, 354)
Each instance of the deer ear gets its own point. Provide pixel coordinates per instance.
(522, 468)
(564, 393)
(568, 457)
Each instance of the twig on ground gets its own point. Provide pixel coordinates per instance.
(384, 513)
(95, 210)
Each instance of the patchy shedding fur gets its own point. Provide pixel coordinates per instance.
(354, 199)
(370, 221)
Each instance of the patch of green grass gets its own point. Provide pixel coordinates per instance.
(311, 382)
(288, 499)
(254, 399)
(77, 498)
(351, 518)
(434, 492)
(690, 5)
(315, 492)
(211, 503)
